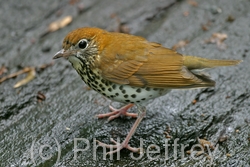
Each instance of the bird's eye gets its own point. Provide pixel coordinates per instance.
(83, 44)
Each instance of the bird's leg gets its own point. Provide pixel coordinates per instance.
(117, 112)
(124, 144)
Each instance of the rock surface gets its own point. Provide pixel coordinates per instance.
(43, 130)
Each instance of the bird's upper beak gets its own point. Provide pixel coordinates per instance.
(63, 53)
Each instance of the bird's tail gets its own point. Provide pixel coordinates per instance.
(193, 62)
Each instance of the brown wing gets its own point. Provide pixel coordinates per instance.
(140, 63)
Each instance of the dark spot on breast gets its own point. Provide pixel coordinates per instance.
(109, 89)
(103, 94)
(121, 87)
(148, 89)
(103, 89)
(114, 86)
(143, 99)
(126, 96)
(155, 89)
(100, 85)
(96, 82)
(133, 95)
(90, 72)
(117, 94)
(112, 96)
(127, 101)
(123, 91)
(138, 90)
(81, 72)
(93, 85)
(89, 76)
(106, 83)
(138, 101)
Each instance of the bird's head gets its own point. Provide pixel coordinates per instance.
(81, 46)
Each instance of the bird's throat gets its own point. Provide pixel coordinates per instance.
(76, 63)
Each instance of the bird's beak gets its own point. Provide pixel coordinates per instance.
(59, 54)
(62, 53)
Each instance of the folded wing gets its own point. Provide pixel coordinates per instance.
(146, 64)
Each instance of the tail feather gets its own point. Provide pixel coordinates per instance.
(193, 62)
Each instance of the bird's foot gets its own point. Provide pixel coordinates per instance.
(118, 112)
(118, 146)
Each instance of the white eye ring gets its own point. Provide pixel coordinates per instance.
(83, 44)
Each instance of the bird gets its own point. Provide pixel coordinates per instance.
(132, 70)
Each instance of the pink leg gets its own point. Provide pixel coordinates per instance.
(125, 144)
(117, 112)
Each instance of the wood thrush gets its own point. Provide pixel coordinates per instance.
(132, 70)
